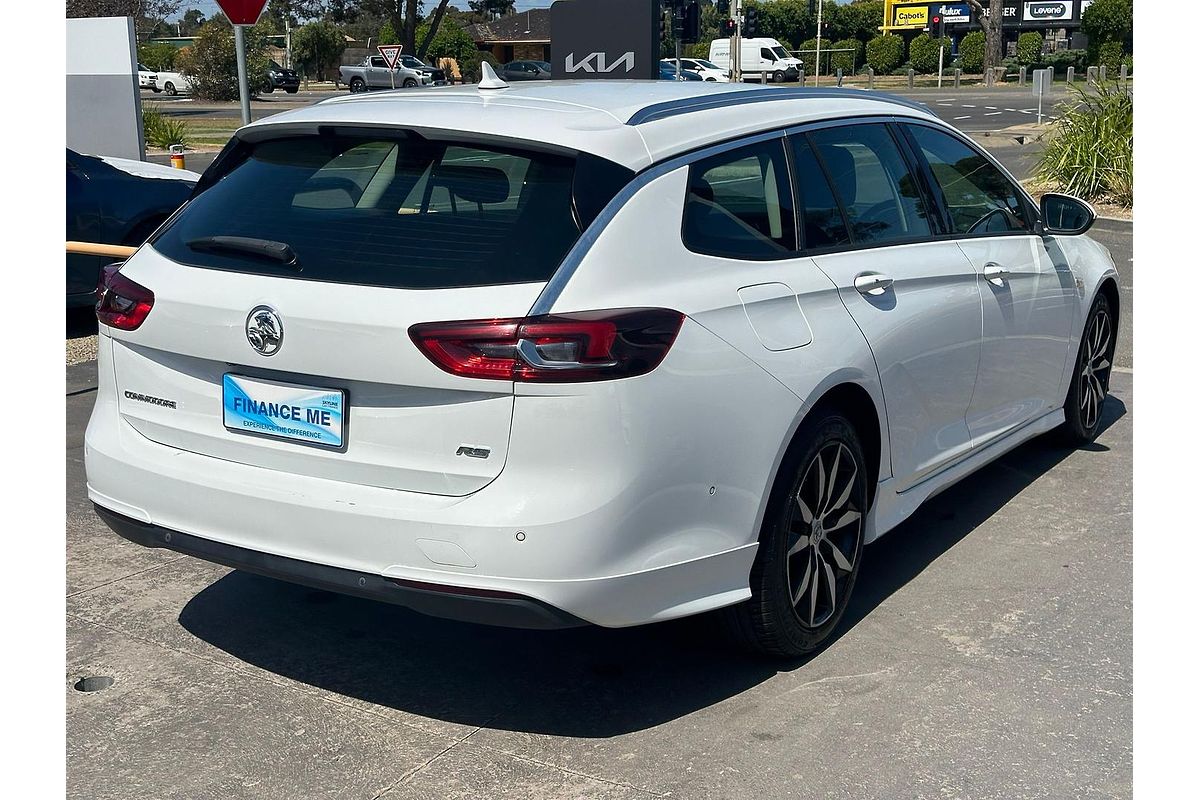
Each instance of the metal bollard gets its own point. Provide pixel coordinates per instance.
(177, 156)
(910, 78)
(1092, 74)
(957, 77)
(801, 78)
(1124, 73)
(1103, 73)
(989, 77)
(1050, 75)
(839, 76)
(870, 77)
(1070, 75)
(1021, 77)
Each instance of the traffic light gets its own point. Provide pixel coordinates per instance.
(690, 24)
(750, 24)
(812, 7)
(728, 27)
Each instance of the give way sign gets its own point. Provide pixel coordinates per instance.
(390, 53)
(242, 12)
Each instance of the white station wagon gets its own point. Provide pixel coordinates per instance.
(589, 352)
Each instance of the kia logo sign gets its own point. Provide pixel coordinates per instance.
(604, 39)
(1040, 11)
(598, 62)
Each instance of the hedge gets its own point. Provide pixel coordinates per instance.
(1029, 48)
(808, 54)
(847, 62)
(923, 53)
(1110, 56)
(970, 51)
(885, 53)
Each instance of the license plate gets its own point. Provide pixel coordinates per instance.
(307, 414)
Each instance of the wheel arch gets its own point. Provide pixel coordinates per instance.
(854, 402)
(1108, 288)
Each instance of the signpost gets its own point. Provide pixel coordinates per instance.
(242, 13)
(1040, 78)
(391, 55)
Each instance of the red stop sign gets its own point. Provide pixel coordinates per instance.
(242, 12)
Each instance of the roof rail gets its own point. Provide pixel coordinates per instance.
(705, 102)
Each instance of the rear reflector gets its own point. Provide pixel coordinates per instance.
(121, 303)
(584, 346)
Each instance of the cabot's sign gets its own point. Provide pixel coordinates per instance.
(910, 16)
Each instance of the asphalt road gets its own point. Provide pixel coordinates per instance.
(986, 654)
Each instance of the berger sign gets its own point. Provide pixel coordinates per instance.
(1047, 11)
(604, 39)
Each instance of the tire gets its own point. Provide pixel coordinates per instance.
(791, 611)
(778, 77)
(1084, 406)
(357, 85)
(293, 90)
(268, 87)
(170, 89)
(409, 83)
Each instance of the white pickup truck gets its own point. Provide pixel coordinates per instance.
(373, 73)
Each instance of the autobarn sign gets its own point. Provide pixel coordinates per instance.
(1048, 10)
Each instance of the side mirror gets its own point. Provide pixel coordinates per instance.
(1064, 215)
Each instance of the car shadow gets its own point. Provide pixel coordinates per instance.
(584, 682)
(81, 322)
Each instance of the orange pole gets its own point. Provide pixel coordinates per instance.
(97, 249)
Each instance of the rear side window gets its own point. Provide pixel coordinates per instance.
(739, 204)
(878, 192)
(402, 212)
(823, 223)
(977, 195)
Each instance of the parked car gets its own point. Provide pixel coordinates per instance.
(705, 69)
(281, 78)
(525, 71)
(759, 56)
(147, 78)
(666, 72)
(172, 83)
(373, 73)
(115, 201)
(570, 353)
(437, 77)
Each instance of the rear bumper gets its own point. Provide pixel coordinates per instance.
(486, 607)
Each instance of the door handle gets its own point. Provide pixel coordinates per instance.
(995, 273)
(872, 283)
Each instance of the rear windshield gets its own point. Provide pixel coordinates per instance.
(403, 212)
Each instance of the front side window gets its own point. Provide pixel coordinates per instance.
(767, 54)
(377, 61)
(401, 212)
(739, 204)
(979, 198)
(877, 191)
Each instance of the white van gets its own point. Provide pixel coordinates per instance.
(758, 56)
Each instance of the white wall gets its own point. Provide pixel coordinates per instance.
(104, 106)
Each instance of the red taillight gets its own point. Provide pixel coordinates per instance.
(121, 303)
(585, 346)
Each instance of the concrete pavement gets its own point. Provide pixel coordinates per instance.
(986, 654)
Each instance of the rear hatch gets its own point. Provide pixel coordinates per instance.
(287, 286)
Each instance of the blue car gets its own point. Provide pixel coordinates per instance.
(115, 201)
(666, 72)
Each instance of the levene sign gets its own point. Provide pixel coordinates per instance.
(604, 39)
(1043, 11)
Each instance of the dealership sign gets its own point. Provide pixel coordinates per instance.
(1047, 11)
(604, 39)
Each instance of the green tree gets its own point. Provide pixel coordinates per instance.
(492, 9)
(316, 48)
(993, 31)
(190, 22)
(971, 50)
(1029, 47)
(450, 41)
(1108, 21)
(210, 64)
(859, 20)
(160, 56)
(885, 53)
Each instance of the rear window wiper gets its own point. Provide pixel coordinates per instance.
(280, 252)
